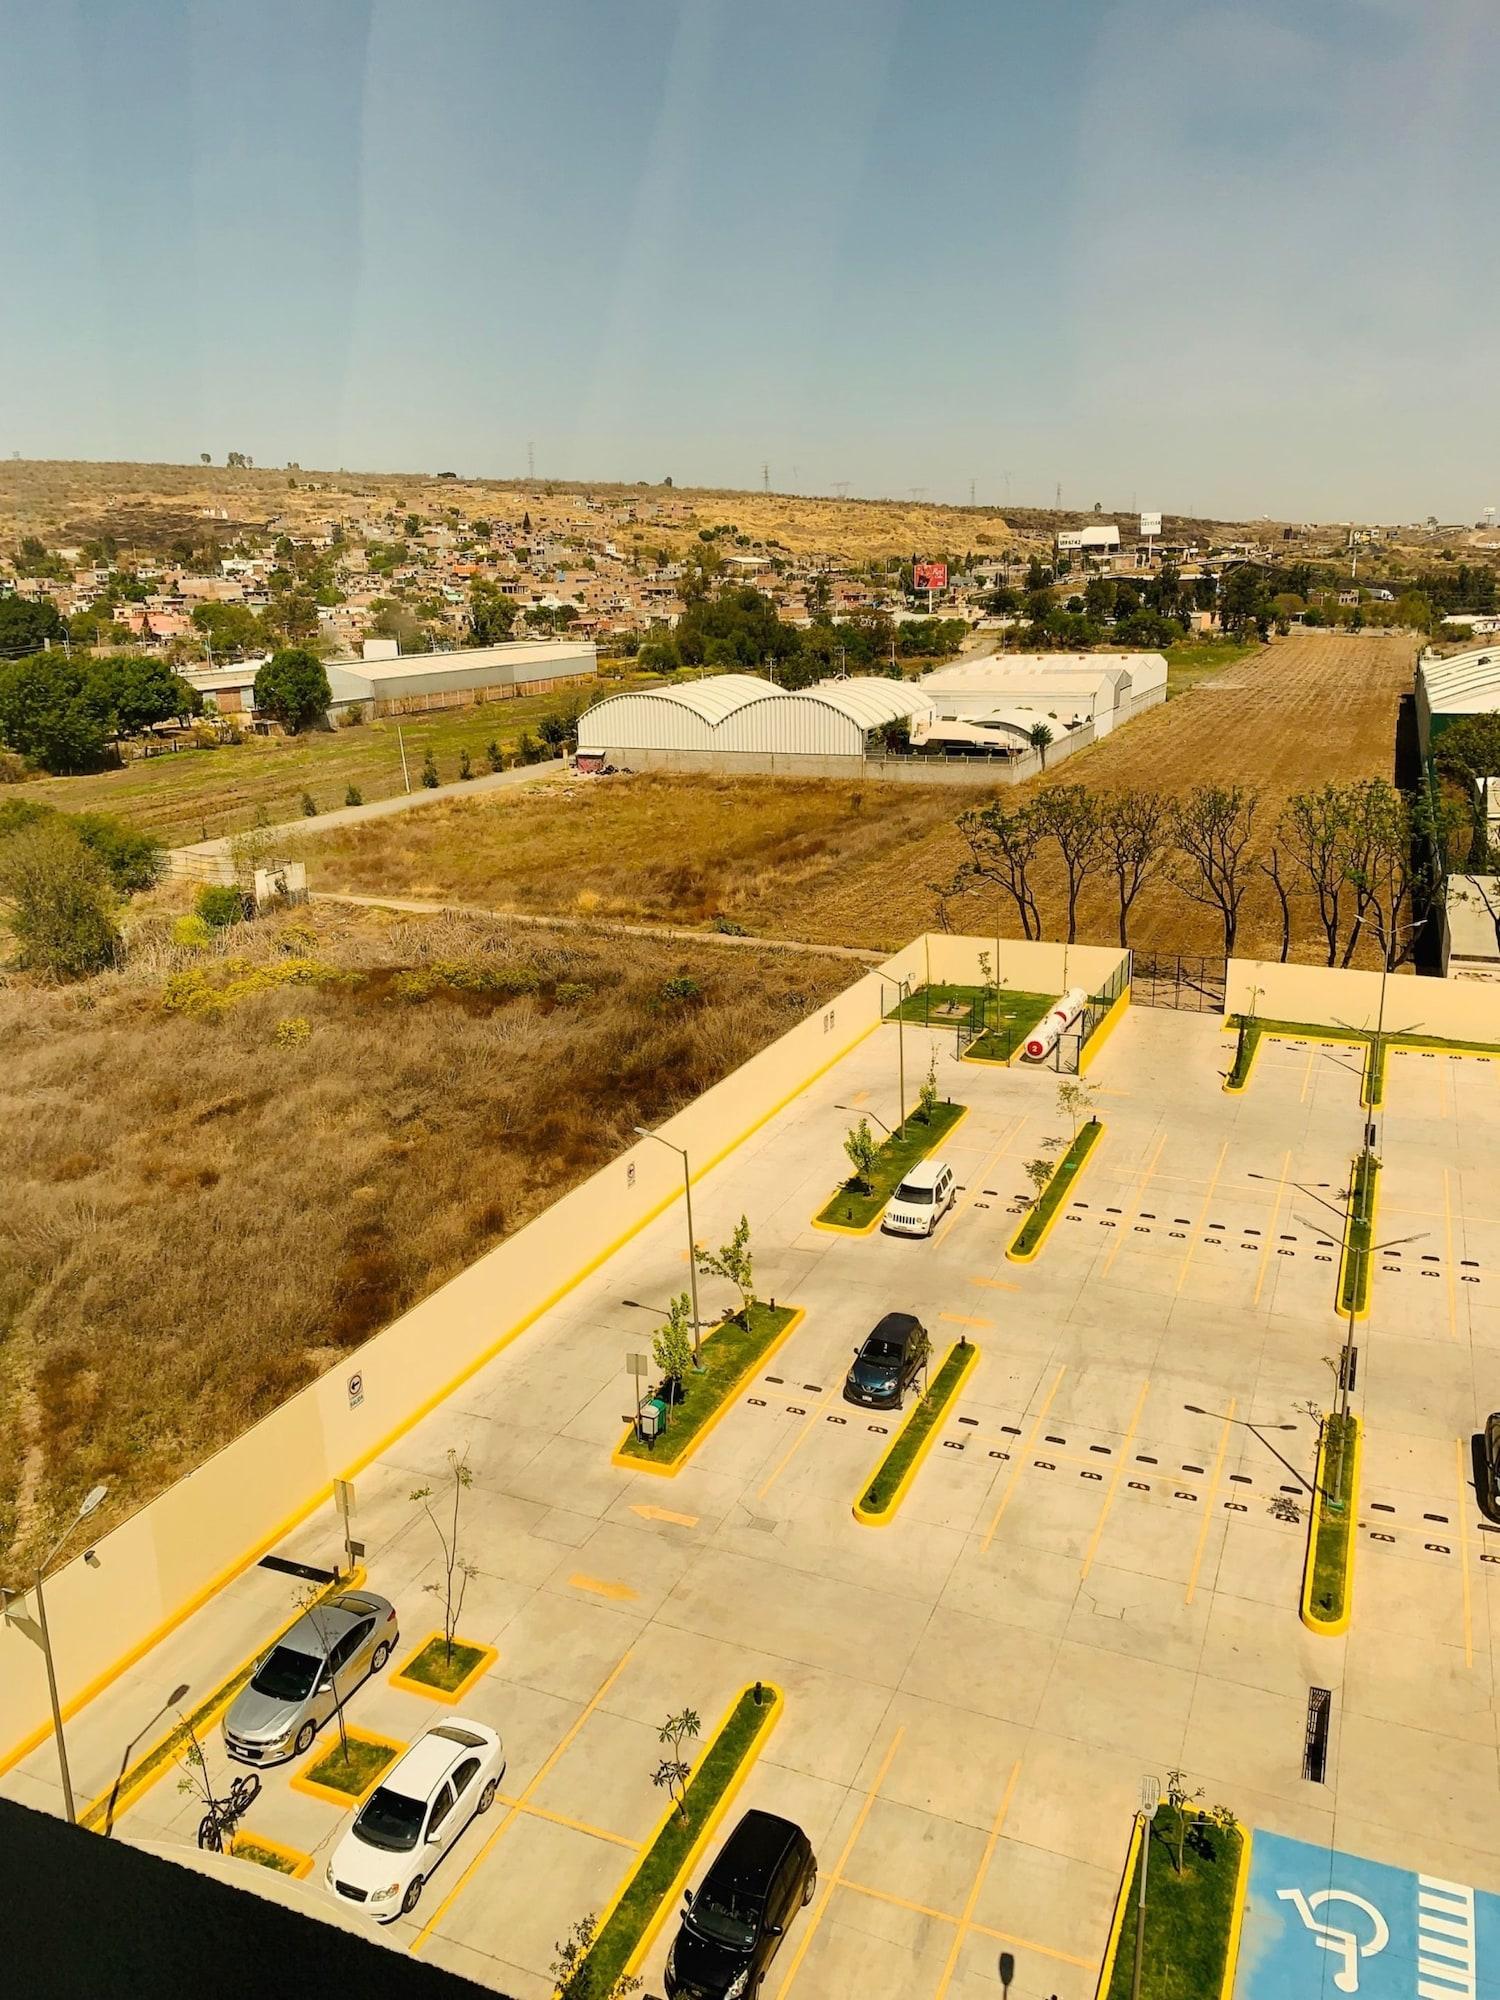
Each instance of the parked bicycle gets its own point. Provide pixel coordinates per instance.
(218, 1823)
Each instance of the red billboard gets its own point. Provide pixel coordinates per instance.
(929, 576)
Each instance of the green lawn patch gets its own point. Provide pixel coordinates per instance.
(729, 1353)
(855, 1205)
(1189, 1917)
(626, 1925)
(248, 1848)
(1194, 660)
(1030, 1234)
(356, 1772)
(1359, 1233)
(1244, 1055)
(1327, 1596)
(444, 1667)
(1003, 1019)
(1377, 1046)
(882, 1489)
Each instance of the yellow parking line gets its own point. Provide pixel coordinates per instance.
(1448, 1259)
(1114, 1481)
(599, 1587)
(897, 1902)
(810, 1928)
(1463, 1553)
(1312, 1056)
(573, 1825)
(980, 1176)
(958, 1319)
(1139, 1197)
(965, 1922)
(995, 1284)
(1030, 1944)
(1208, 1504)
(798, 1441)
(1202, 1216)
(1016, 1469)
(1267, 1246)
(526, 1796)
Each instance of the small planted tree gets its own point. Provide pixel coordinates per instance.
(672, 1345)
(927, 1093)
(430, 771)
(1038, 1172)
(863, 1153)
(353, 796)
(732, 1261)
(1074, 1099)
(672, 1773)
(1180, 1799)
(311, 1600)
(570, 1969)
(494, 755)
(457, 1573)
(465, 765)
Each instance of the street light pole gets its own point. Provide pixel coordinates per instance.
(90, 1502)
(1150, 1800)
(644, 1132)
(900, 985)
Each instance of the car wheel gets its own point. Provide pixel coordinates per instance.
(379, 1657)
(810, 1887)
(412, 1897)
(487, 1796)
(304, 1740)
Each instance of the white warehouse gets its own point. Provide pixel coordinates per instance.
(386, 682)
(740, 723)
(1005, 695)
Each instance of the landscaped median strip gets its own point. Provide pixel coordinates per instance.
(856, 1210)
(1193, 1918)
(884, 1492)
(1250, 1031)
(140, 1776)
(1328, 1567)
(1359, 1236)
(731, 1354)
(628, 1927)
(1040, 1217)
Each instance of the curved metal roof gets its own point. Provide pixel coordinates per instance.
(868, 701)
(711, 699)
(1462, 674)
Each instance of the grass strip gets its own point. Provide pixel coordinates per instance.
(1244, 1055)
(663, 1861)
(352, 1773)
(728, 1353)
(1359, 1230)
(1327, 1600)
(248, 1848)
(1029, 1235)
(444, 1667)
(882, 1489)
(854, 1205)
(1189, 1916)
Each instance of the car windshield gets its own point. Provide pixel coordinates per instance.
(390, 1820)
(921, 1196)
(727, 1919)
(286, 1675)
(886, 1352)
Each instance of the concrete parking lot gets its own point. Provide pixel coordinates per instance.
(1086, 1582)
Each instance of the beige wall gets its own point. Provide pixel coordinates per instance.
(1460, 1011)
(156, 1565)
(1028, 968)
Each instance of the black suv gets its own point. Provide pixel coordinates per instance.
(765, 1872)
(895, 1350)
(1490, 1499)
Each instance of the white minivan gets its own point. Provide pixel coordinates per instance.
(922, 1200)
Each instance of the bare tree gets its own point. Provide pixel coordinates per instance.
(1133, 833)
(1069, 814)
(1003, 841)
(1380, 867)
(1212, 827)
(457, 1572)
(1315, 830)
(1272, 867)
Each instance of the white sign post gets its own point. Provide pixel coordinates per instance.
(1150, 529)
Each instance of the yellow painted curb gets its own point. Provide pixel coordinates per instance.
(1236, 1089)
(1236, 1916)
(869, 1228)
(303, 1862)
(145, 1772)
(1332, 1628)
(1122, 1900)
(1104, 1030)
(401, 1679)
(669, 1468)
(886, 1514)
(705, 1833)
(1360, 1311)
(1015, 1256)
(300, 1782)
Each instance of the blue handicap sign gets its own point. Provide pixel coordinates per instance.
(1320, 1925)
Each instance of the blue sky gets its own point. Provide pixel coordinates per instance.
(1231, 258)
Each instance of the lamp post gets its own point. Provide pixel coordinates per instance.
(44, 1638)
(1150, 1800)
(645, 1132)
(1256, 1431)
(901, 985)
(856, 1113)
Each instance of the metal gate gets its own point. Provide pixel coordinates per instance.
(1166, 979)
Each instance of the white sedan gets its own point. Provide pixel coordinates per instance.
(415, 1814)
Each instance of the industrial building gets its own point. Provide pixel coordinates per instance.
(1448, 690)
(1004, 696)
(739, 723)
(386, 682)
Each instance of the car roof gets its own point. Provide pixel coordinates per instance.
(753, 1849)
(318, 1632)
(924, 1173)
(895, 1326)
(418, 1772)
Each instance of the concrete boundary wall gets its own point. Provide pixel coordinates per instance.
(1037, 967)
(1323, 996)
(968, 771)
(171, 1556)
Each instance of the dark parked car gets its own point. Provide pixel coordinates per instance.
(895, 1351)
(1492, 1462)
(731, 1930)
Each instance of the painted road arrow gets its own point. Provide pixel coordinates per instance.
(649, 1513)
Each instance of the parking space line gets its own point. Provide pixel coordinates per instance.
(573, 1825)
(981, 1175)
(898, 1902)
(514, 1813)
(965, 1922)
(1202, 1217)
(995, 1284)
(810, 1929)
(1312, 1056)
(800, 1439)
(1137, 1198)
(598, 1587)
(1463, 1552)
(1030, 1944)
(1036, 1431)
(1114, 1483)
(1265, 1251)
(958, 1319)
(1208, 1505)
(1448, 1258)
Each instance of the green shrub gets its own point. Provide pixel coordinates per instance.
(220, 904)
(430, 771)
(495, 755)
(291, 1031)
(309, 806)
(568, 992)
(353, 796)
(62, 900)
(191, 932)
(680, 989)
(465, 768)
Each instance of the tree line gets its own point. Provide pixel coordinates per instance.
(1363, 856)
(736, 629)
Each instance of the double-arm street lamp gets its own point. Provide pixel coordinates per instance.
(43, 1638)
(902, 986)
(645, 1132)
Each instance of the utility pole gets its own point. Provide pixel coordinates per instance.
(530, 462)
(765, 478)
(1150, 1800)
(405, 774)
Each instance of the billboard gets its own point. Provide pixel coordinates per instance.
(929, 576)
(1151, 524)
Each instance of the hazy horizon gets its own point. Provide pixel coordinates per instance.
(1226, 260)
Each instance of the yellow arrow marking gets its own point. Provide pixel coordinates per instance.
(601, 1588)
(648, 1513)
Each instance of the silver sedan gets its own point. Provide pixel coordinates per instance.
(308, 1674)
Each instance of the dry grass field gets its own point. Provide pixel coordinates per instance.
(221, 1173)
(841, 864)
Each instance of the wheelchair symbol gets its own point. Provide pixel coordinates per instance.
(1329, 1937)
